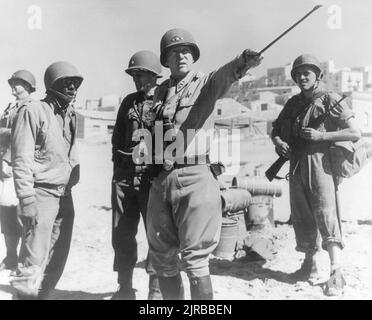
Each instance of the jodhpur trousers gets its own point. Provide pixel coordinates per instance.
(184, 217)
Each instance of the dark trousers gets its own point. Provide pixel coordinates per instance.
(12, 230)
(48, 244)
(10, 225)
(129, 201)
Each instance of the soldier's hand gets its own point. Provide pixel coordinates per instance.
(252, 59)
(6, 170)
(311, 134)
(28, 214)
(283, 149)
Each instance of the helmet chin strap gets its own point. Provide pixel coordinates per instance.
(62, 98)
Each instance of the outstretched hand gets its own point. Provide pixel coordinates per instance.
(252, 58)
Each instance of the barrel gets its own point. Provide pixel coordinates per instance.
(258, 186)
(235, 200)
(228, 239)
(259, 213)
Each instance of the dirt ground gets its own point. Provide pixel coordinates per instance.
(88, 274)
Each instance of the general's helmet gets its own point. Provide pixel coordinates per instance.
(144, 60)
(25, 76)
(60, 70)
(305, 59)
(176, 37)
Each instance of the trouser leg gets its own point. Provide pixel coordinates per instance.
(304, 223)
(126, 217)
(60, 245)
(37, 243)
(198, 218)
(154, 288)
(11, 229)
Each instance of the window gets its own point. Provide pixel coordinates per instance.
(219, 112)
(264, 106)
(366, 119)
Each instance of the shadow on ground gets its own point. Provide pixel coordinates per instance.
(248, 268)
(65, 294)
(79, 295)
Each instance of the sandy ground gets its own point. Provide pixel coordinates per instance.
(88, 274)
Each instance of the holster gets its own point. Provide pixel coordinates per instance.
(217, 168)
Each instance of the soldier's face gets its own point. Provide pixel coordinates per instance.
(306, 78)
(143, 80)
(179, 61)
(68, 87)
(20, 89)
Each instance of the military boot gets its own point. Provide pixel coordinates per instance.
(172, 288)
(201, 288)
(154, 289)
(124, 293)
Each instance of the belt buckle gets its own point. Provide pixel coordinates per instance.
(168, 165)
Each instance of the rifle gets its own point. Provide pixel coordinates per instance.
(272, 172)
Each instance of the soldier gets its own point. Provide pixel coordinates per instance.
(184, 203)
(45, 168)
(131, 182)
(313, 200)
(22, 83)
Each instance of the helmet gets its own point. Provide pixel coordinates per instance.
(176, 37)
(305, 59)
(144, 60)
(24, 75)
(60, 70)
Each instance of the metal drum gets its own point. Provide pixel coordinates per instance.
(228, 239)
(260, 213)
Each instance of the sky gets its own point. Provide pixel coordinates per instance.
(100, 36)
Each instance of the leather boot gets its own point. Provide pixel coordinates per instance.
(172, 288)
(125, 290)
(201, 288)
(154, 289)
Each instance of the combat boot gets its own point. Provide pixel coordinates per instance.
(201, 288)
(154, 289)
(124, 293)
(172, 287)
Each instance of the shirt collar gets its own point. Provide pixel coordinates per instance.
(181, 84)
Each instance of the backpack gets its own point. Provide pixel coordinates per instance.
(348, 158)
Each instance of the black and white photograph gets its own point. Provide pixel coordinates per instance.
(185, 150)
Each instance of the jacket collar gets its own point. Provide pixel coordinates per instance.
(181, 84)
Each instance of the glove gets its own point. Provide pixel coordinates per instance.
(251, 57)
(28, 213)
